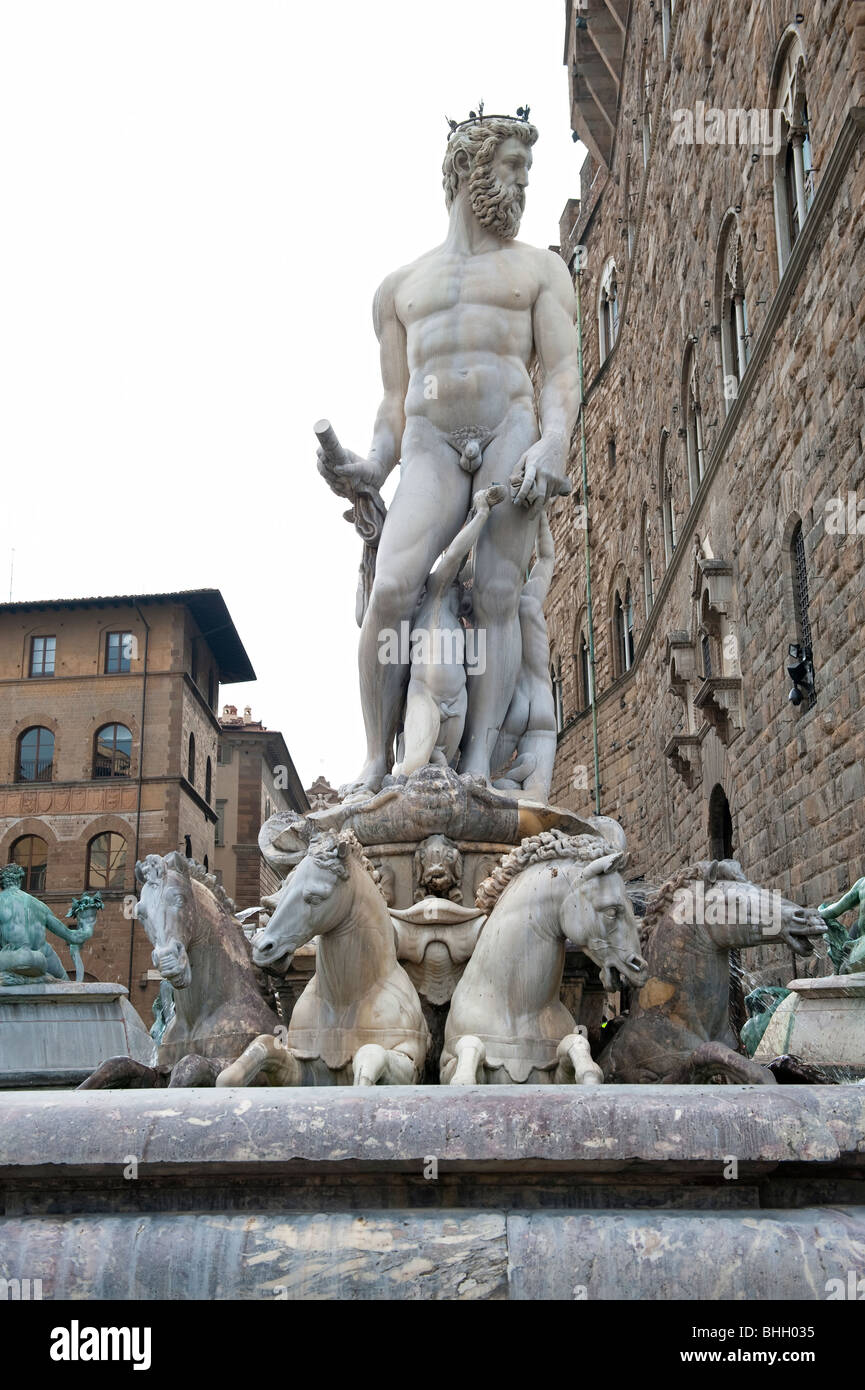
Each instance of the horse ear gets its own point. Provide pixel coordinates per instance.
(175, 860)
(606, 864)
(712, 871)
(140, 872)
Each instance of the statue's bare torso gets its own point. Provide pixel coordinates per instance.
(468, 325)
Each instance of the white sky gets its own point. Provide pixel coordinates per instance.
(200, 200)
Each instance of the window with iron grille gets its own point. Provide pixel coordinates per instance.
(35, 756)
(800, 588)
(707, 656)
(801, 598)
(113, 751)
(42, 653)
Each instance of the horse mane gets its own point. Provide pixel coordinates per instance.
(658, 906)
(199, 874)
(536, 849)
(325, 850)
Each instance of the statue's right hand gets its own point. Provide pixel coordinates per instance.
(351, 469)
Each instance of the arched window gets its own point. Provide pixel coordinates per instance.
(794, 173)
(585, 669)
(648, 573)
(801, 605)
(801, 599)
(708, 45)
(623, 632)
(208, 780)
(106, 861)
(668, 513)
(629, 627)
(692, 424)
(720, 825)
(31, 854)
(556, 681)
(35, 762)
(608, 311)
(113, 751)
(190, 761)
(647, 85)
(730, 310)
(666, 19)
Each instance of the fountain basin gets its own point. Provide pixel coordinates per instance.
(823, 1022)
(54, 1034)
(499, 1192)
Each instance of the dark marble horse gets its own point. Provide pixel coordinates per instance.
(678, 1028)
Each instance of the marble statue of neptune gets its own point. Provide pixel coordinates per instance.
(459, 330)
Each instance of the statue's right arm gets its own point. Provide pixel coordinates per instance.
(390, 421)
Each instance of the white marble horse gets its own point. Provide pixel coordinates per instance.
(506, 1022)
(359, 1021)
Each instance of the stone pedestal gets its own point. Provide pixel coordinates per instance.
(450, 1193)
(823, 1022)
(56, 1034)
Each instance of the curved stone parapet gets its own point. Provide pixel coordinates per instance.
(425, 1193)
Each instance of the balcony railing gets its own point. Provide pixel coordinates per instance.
(29, 770)
(111, 767)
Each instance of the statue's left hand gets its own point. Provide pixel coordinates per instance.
(539, 476)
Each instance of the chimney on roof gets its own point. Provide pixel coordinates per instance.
(247, 714)
(229, 711)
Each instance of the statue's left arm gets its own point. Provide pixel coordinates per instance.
(75, 936)
(542, 472)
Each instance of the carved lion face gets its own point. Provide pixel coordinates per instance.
(439, 864)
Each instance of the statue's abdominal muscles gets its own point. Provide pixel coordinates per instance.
(469, 340)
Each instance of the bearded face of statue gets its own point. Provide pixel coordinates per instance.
(497, 191)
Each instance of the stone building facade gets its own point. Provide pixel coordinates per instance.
(718, 245)
(108, 752)
(255, 777)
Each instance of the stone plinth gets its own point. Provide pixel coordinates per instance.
(56, 1034)
(417, 1193)
(822, 1021)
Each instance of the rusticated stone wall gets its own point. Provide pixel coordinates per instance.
(791, 442)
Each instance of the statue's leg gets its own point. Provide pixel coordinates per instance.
(575, 1065)
(471, 1055)
(194, 1070)
(501, 558)
(451, 731)
(267, 1055)
(378, 1066)
(430, 505)
(421, 729)
(539, 747)
(53, 963)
